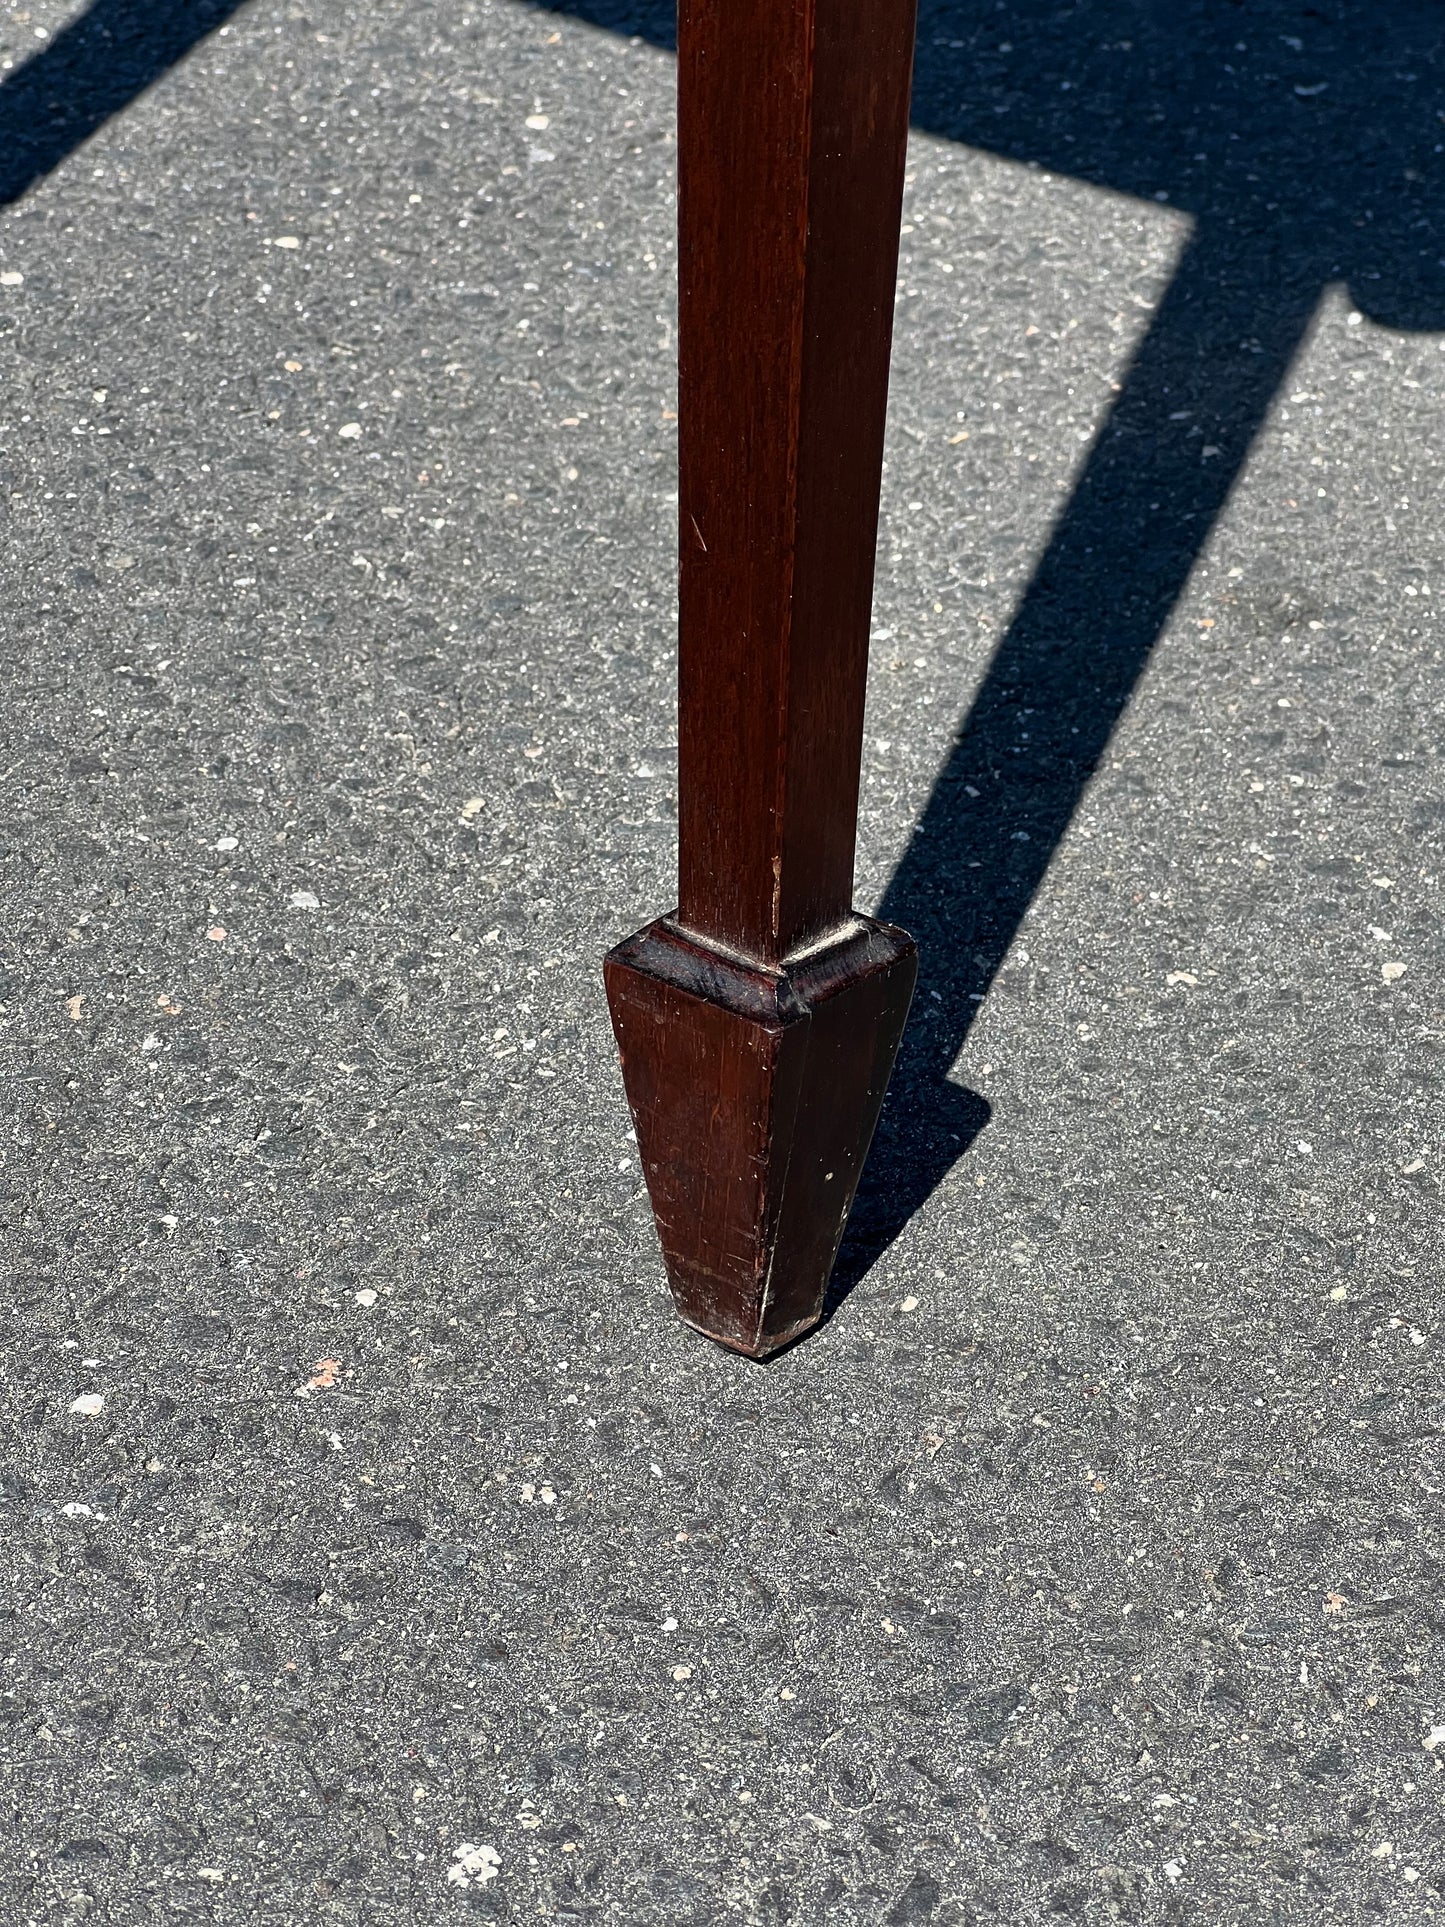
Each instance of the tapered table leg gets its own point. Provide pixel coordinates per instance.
(759, 1022)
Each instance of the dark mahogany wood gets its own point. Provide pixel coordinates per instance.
(755, 1094)
(758, 1025)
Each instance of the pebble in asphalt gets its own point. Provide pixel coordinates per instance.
(378, 1548)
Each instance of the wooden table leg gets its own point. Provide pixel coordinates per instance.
(759, 1022)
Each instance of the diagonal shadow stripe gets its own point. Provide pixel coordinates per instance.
(1301, 167)
(1305, 143)
(1219, 345)
(93, 69)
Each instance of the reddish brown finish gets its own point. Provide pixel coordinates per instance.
(792, 120)
(758, 1026)
(755, 1093)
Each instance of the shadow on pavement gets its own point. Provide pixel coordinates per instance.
(92, 69)
(1305, 142)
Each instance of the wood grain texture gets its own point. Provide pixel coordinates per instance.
(758, 1025)
(755, 1093)
(792, 123)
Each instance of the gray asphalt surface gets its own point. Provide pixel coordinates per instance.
(378, 1549)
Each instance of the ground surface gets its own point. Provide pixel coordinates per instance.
(1088, 1563)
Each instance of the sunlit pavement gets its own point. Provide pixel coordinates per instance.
(379, 1549)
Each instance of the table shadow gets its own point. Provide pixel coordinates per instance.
(93, 68)
(1305, 144)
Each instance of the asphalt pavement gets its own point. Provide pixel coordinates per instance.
(378, 1548)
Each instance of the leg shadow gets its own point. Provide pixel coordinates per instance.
(91, 70)
(1154, 483)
